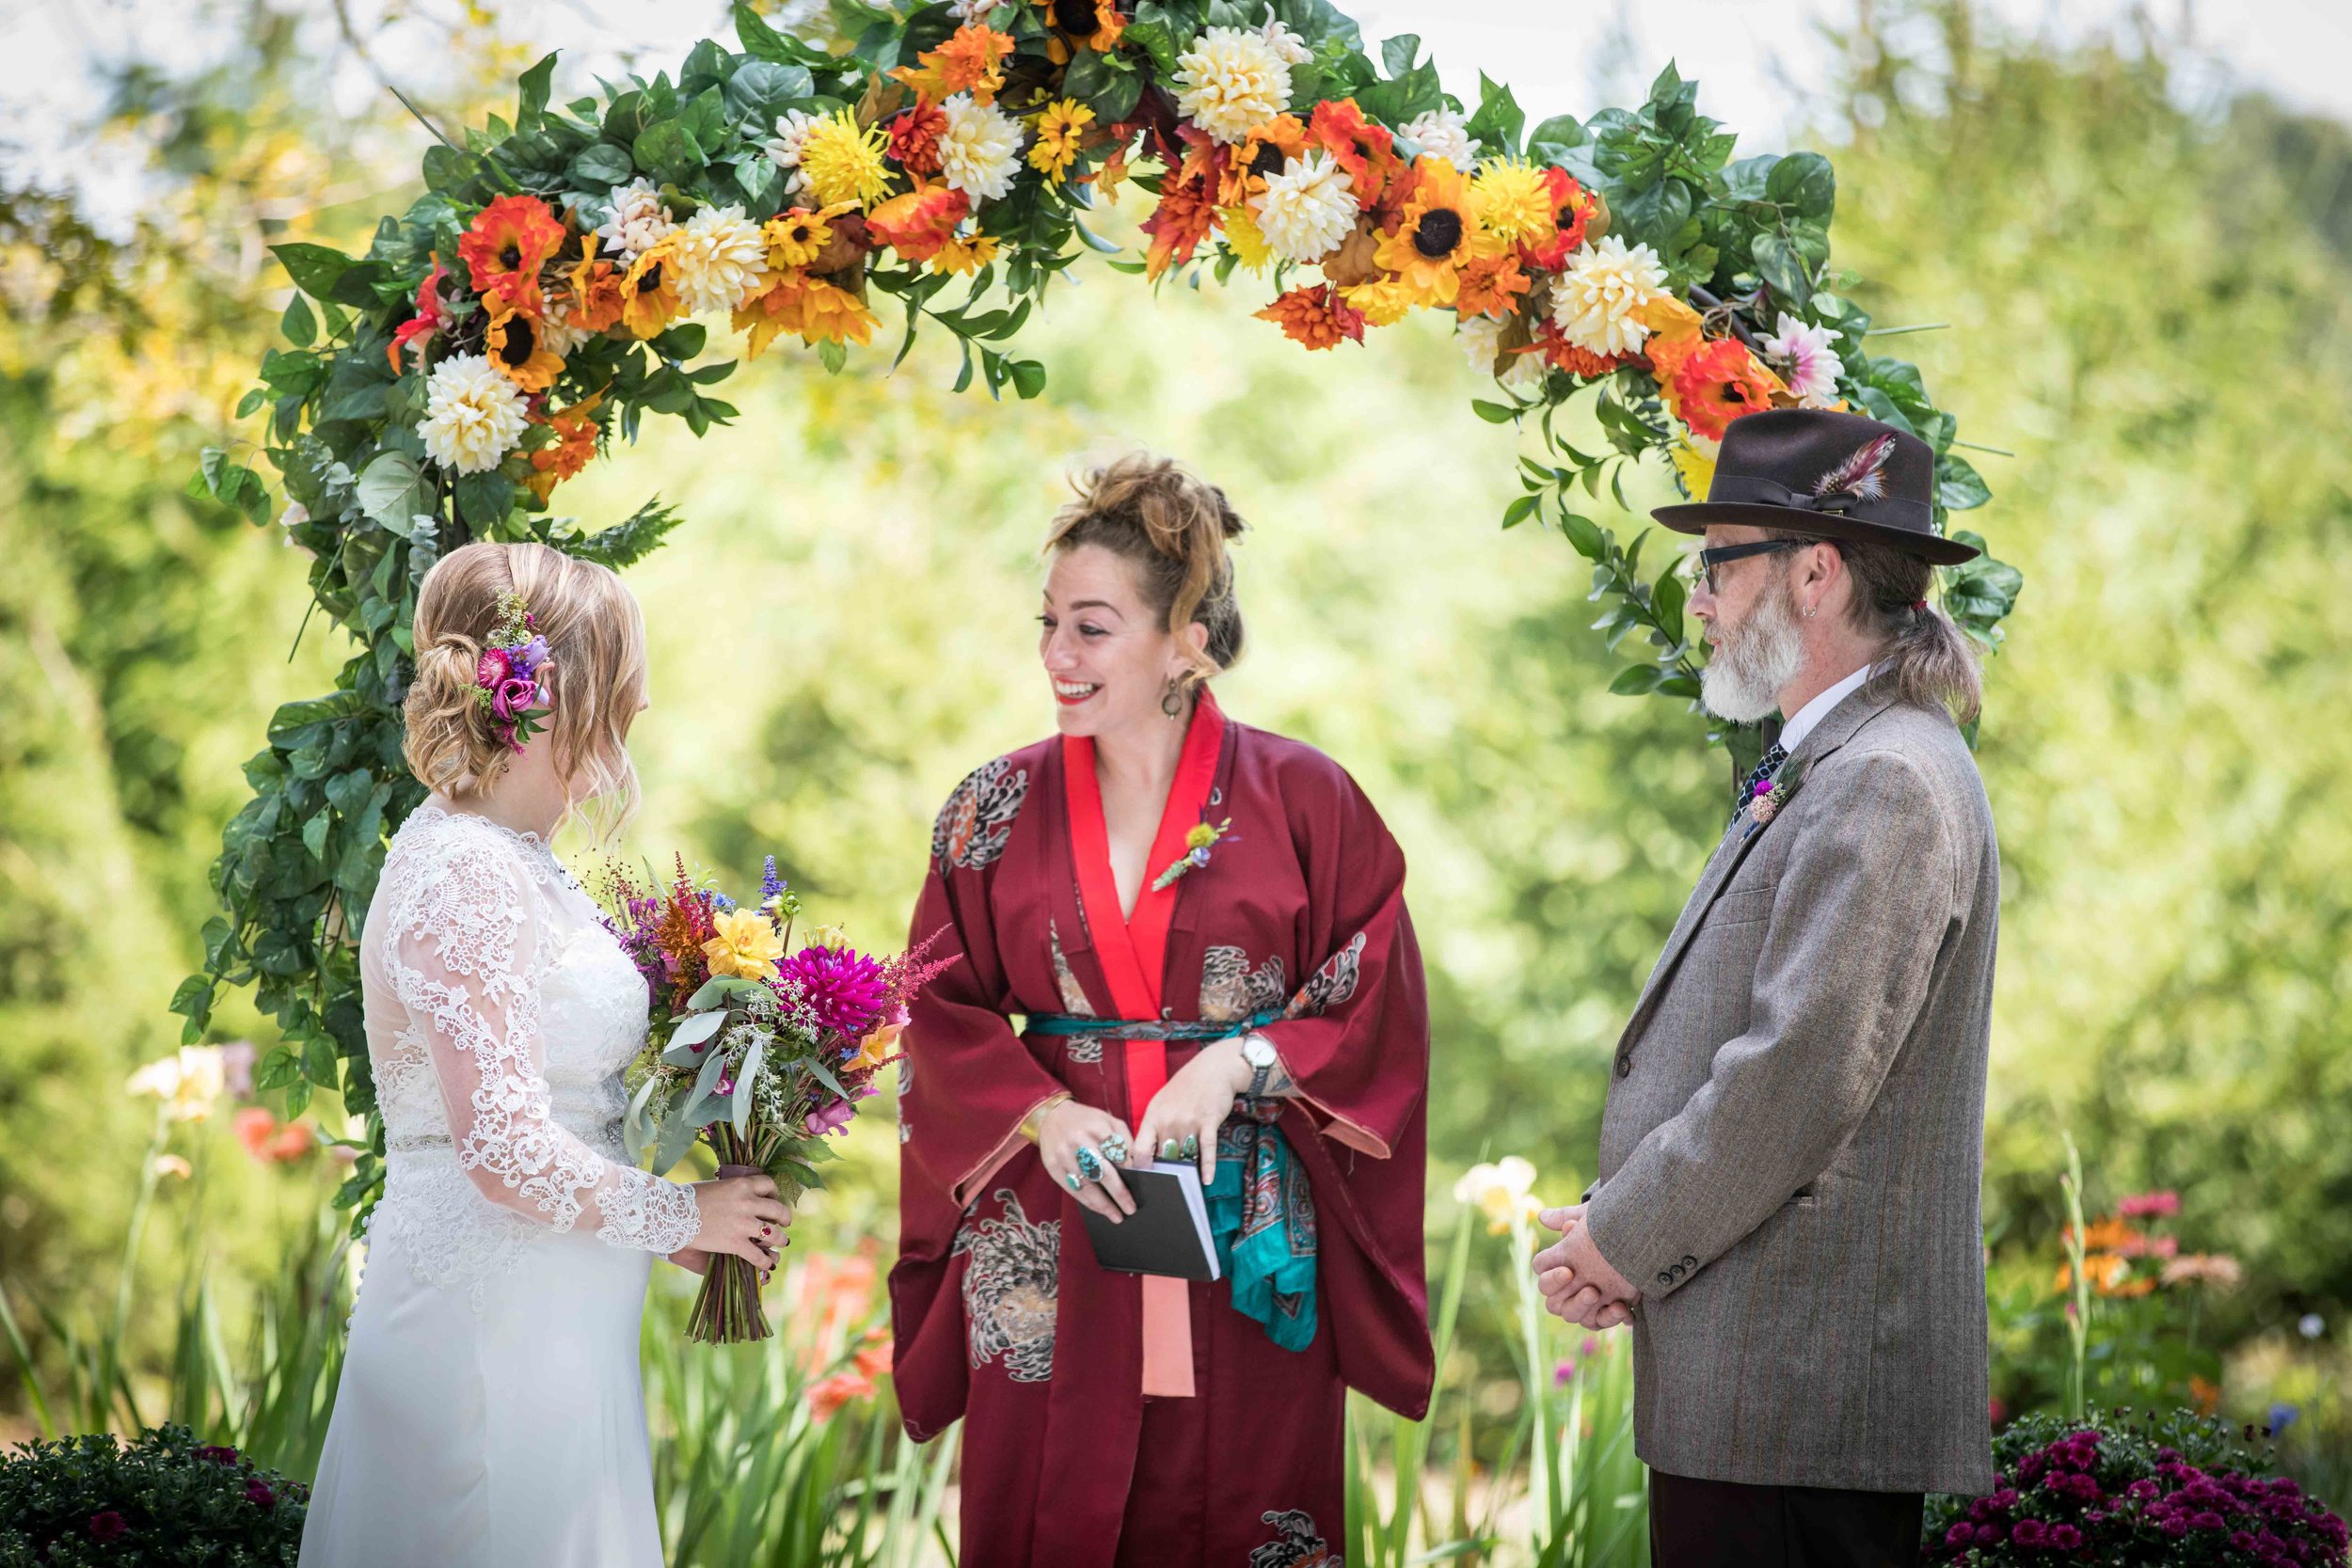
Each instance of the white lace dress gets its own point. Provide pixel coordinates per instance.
(491, 1409)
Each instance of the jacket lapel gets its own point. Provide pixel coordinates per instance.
(1863, 705)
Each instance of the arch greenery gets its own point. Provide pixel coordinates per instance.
(932, 168)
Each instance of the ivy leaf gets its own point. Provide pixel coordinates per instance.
(394, 489)
(1780, 265)
(1555, 138)
(535, 83)
(484, 499)
(314, 268)
(669, 151)
(300, 327)
(1958, 485)
(1806, 182)
(600, 164)
(1500, 120)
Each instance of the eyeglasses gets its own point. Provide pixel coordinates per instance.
(1705, 573)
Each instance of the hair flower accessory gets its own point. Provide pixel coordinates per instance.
(506, 679)
(1196, 843)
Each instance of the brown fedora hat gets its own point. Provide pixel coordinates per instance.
(1817, 471)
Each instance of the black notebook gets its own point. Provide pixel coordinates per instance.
(1169, 1232)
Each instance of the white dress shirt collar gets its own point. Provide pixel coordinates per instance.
(1803, 722)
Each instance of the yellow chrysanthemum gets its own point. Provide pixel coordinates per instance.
(1514, 200)
(1384, 301)
(964, 256)
(1057, 132)
(843, 164)
(1243, 236)
(747, 944)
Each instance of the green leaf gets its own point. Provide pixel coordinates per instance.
(599, 165)
(314, 268)
(1805, 182)
(669, 151)
(1493, 413)
(1637, 680)
(1028, 377)
(535, 83)
(318, 1061)
(394, 489)
(1783, 269)
(280, 1068)
(1667, 600)
(1958, 485)
(1556, 138)
(762, 89)
(315, 834)
(484, 499)
(1499, 120)
(762, 42)
(682, 342)
(300, 327)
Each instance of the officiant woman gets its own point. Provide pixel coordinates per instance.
(1182, 938)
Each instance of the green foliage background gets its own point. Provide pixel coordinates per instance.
(2147, 308)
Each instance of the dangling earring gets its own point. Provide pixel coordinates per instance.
(1172, 701)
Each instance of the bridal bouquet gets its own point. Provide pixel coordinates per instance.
(757, 1048)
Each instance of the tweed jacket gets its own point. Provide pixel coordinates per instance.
(1793, 1146)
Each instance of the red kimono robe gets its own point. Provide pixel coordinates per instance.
(1219, 1448)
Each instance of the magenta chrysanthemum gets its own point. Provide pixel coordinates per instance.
(844, 988)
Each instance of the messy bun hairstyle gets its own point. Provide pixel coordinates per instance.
(1171, 525)
(593, 677)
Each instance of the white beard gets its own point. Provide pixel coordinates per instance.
(1743, 678)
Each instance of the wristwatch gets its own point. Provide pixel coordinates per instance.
(1259, 1053)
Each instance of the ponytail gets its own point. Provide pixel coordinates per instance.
(1928, 658)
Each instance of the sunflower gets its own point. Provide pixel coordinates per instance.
(1076, 25)
(1057, 133)
(844, 163)
(1264, 152)
(799, 236)
(649, 298)
(1439, 231)
(517, 348)
(509, 240)
(1313, 315)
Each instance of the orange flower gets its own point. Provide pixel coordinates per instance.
(1107, 178)
(829, 1396)
(817, 310)
(1312, 316)
(649, 300)
(1491, 286)
(1572, 357)
(574, 448)
(1439, 233)
(915, 138)
(968, 62)
(1077, 25)
(874, 1359)
(510, 241)
(1186, 215)
(916, 224)
(1264, 151)
(2205, 1396)
(596, 302)
(1366, 151)
(1573, 207)
(295, 1139)
(1720, 383)
(518, 347)
(418, 329)
(255, 1128)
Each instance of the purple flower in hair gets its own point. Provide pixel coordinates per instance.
(843, 987)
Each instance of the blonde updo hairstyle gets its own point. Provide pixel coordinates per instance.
(594, 679)
(1171, 526)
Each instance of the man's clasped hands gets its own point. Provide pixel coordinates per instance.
(1578, 1283)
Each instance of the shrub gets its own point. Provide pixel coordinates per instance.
(166, 1498)
(2178, 1489)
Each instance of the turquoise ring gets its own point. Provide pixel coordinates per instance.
(1191, 1149)
(1171, 1150)
(1074, 1182)
(1089, 1163)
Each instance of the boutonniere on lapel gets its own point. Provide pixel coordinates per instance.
(1196, 844)
(1771, 795)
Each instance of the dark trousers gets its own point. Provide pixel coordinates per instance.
(1722, 1524)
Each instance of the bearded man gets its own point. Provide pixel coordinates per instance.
(1788, 1204)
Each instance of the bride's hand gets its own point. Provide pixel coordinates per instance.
(693, 1259)
(741, 1214)
(1193, 1104)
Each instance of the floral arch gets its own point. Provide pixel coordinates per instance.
(939, 166)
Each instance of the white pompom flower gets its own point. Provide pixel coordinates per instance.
(719, 260)
(784, 148)
(1596, 298)
(473, 416)
(979, 152)
(1231, 82)
(638, 222)
(1440, 133)
(1307, 208)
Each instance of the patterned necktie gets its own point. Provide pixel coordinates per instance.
(1772, 758)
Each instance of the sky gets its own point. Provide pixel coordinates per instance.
(1758, 62)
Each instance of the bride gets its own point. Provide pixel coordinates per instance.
(491, 1410)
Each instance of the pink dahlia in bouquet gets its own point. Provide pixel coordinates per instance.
(758, 1049)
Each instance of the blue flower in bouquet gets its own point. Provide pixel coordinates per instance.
(841, 986)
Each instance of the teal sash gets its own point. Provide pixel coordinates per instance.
(1262, 1208)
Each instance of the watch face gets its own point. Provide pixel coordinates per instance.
(1258, 1051)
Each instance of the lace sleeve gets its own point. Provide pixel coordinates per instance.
(463, 952)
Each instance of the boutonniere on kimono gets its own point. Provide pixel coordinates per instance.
(1197, 845)
(1773, 794)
